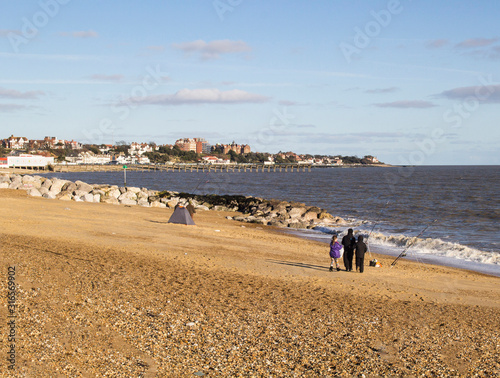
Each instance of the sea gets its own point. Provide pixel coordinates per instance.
(446, 215)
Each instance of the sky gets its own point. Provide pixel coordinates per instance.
(410, 82)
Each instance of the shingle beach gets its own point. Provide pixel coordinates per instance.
(114, 290)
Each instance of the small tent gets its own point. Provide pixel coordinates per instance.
(181, 216)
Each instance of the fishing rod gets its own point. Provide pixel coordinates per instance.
(199, 183)
(374, 225)
(402, 254)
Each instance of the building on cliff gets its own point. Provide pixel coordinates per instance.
(239, 149)
(16, 143)
(198, 145)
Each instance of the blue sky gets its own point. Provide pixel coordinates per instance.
(411, 82)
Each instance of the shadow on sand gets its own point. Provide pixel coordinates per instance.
(154, 221)
(298, 264)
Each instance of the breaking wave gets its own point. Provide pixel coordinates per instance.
(424, 246)
(436, 247)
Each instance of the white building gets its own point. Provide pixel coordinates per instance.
(89, 158)
(143, 160)
(139, 148)
(26, 160)
(371, 159)
(306, 161)
(17, 143)
(214, 160)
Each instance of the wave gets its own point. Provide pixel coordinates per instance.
(326, 230)
(423, 246)
(437, 247)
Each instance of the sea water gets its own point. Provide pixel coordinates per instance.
(460, 204)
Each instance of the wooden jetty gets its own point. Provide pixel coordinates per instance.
(185, 168)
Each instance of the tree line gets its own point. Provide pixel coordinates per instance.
(166, 154)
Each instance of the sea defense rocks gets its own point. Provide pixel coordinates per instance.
(253, 209)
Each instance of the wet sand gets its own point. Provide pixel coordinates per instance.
(105, 290)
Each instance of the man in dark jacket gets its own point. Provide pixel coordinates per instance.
(361, 249)
(349, 242)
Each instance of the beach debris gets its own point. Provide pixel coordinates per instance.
(375, 263)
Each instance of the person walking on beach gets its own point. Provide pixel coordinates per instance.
(335, 248)
(349, 242)
(191, 209)
(360, 254)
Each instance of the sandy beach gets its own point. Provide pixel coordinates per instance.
(106, 290)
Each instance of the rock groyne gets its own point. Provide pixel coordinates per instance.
(253, 209)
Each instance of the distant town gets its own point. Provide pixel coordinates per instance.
(19, 151)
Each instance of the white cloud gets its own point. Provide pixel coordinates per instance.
(6, 32)
(201, 96)
(288, 103)
(482, 93)
(306, 135)
(436, 43)
(382, 90)
(491, 53)
(13, 94)
(156, 48)
(476, 42)
(80, 34)
(415, 104)
(110, 78)
(12, 107)
(213, 49)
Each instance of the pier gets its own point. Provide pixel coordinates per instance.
(185, 168)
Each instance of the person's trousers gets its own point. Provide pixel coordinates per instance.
(360, 263)
(348, 259)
